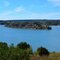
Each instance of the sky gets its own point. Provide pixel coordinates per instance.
(29, 9)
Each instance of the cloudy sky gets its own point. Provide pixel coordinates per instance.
(29, 9)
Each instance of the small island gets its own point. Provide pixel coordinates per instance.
(31, 24)
(27, 25)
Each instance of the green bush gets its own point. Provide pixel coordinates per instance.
(43, 51)
(23, 45)
(13, 52)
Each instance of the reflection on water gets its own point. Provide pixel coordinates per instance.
(36, 38)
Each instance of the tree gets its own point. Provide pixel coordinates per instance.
(3, 51)
(23, 45)
(3, 45)
(15, 52)
(43, 51)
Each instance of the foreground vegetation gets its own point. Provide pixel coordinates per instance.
(23, 51)
(20, 52)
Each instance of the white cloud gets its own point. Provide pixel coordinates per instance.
(16, 10)
(44, 16)
(7, 16)
(19, 9)
(6, 3)
(12, 14)
(6, 13)
(55, 2)
(16, 14)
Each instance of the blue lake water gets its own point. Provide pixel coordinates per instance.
(36, 38)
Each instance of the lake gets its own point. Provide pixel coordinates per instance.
(36, 38)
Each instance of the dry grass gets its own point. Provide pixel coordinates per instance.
(49, 58)
(53, 56)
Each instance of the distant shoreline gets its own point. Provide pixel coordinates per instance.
(31, 24)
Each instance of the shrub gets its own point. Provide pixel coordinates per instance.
(26, 47)
(23, 45)
(43, 51)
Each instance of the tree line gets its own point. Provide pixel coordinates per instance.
(21, 51)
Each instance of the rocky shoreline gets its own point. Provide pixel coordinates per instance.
(30, 24)
(27, 25)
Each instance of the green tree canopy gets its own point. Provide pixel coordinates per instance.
(23, 45)
(3, 45)
(42, 51)
(13, 52)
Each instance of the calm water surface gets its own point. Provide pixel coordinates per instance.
(36, 38)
